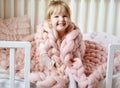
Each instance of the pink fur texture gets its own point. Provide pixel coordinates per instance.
(15, 28)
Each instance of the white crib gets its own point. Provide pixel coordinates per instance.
(89, 15)
(12, 45)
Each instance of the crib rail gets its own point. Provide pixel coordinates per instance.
(12, 45)
(111, 51)
(89, 15)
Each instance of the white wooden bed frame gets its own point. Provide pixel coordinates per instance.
(111, 51)
(16, 44)
(12, 45)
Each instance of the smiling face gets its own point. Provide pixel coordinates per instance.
(60, 19)
(58, 12)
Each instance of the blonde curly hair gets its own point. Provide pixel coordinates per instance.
(58, 6)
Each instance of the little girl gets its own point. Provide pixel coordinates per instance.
(58, 39)
(60, 46)
(57, 36)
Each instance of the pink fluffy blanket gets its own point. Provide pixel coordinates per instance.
(85, 59)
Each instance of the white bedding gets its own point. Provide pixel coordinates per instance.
(102, 38)
(19, 83)
(105, 39)
(115, 82)
(4, 81)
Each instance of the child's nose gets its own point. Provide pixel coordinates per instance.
(61, 18)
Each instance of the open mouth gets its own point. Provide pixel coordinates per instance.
(61, 24)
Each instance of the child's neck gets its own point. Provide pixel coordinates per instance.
(62, 34)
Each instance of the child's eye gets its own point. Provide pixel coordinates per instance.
(64, 16)
(56, 16)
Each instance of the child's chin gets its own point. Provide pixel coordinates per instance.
(62, 29)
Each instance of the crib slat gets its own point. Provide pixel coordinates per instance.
(22, 7)
(32, 14)
(91, 15)
(111, 50)
(118, 21)
(12, 8)
(42, 8)
(27, 67)
(111, 15)
(82, 15)
(73, 10)
(2, 8)
(101, 15)
(12, 67)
